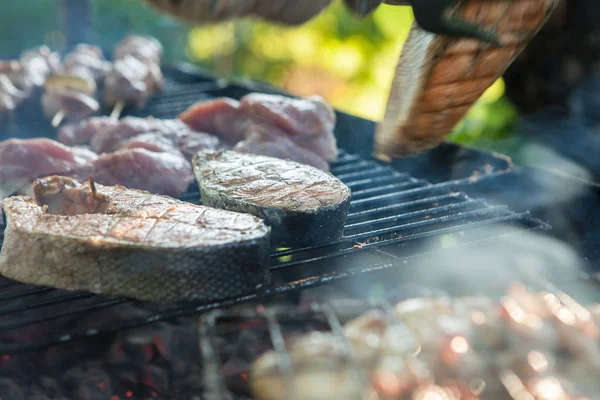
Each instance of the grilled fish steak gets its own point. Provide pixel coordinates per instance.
(124, 242)
(303, 205)
(438, 78)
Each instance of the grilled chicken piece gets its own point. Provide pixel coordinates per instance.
(439, 78)
(124, 242)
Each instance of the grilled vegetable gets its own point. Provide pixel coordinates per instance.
(118, 241)
(304, 205)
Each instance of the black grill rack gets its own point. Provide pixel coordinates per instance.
(394, 218)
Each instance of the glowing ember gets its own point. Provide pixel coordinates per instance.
(538, 361)
(478, 317)
(548, 389)
(459, 345)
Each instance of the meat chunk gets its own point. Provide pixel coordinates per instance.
(23, 160)
(137, 168)
(267, 124)
(304, 205)
(124, 242)
(106, 135)
(305, 120)
(83, 131)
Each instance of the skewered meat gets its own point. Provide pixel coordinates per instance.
(265, 124)
(84, 131)
(454, 351)
(304, 205)
(38, 64)
(88, 57)
(70, 91)
(144, 48)
(129, 81)
(118, 241)
(22, 161)
(138, 168)
(135, 75)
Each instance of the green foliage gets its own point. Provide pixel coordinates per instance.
(350, 61)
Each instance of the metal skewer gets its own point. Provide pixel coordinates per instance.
(117, 110)
(58, 118)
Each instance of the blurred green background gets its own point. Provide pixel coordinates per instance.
(348, 61)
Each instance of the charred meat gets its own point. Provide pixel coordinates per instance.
(125, 242)
(304, 205)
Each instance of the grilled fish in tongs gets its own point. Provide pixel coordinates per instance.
(455, 50)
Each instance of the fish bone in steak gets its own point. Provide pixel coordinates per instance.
(124, 242)
(304, 205)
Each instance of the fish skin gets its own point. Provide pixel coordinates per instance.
(303, 205)
(439, 78)
(194, 253)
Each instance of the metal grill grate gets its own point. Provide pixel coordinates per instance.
(391, 216)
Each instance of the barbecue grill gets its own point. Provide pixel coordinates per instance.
(401, 216)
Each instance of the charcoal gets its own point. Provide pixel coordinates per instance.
(155, 378)
(10, 390)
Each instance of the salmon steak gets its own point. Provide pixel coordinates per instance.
(304, 205)
(438, 77)
(124, 242)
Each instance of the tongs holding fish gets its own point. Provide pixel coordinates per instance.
(455, 50)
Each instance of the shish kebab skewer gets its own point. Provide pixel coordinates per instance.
(70, 93)
(455, 50)
(135, 74)
(20, 78)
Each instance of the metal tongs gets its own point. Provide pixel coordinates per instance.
(431, 15)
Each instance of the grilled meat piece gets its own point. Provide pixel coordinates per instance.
(270, 125)
(438, 78)
(186, 141)
(144, 48)
(130, 81)
(262, 142)
(89, 57)
(138, 168)
(23, 160)
(304, 205)
(124, 242)
(83, 131)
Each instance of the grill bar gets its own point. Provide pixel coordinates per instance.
(389, 208)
